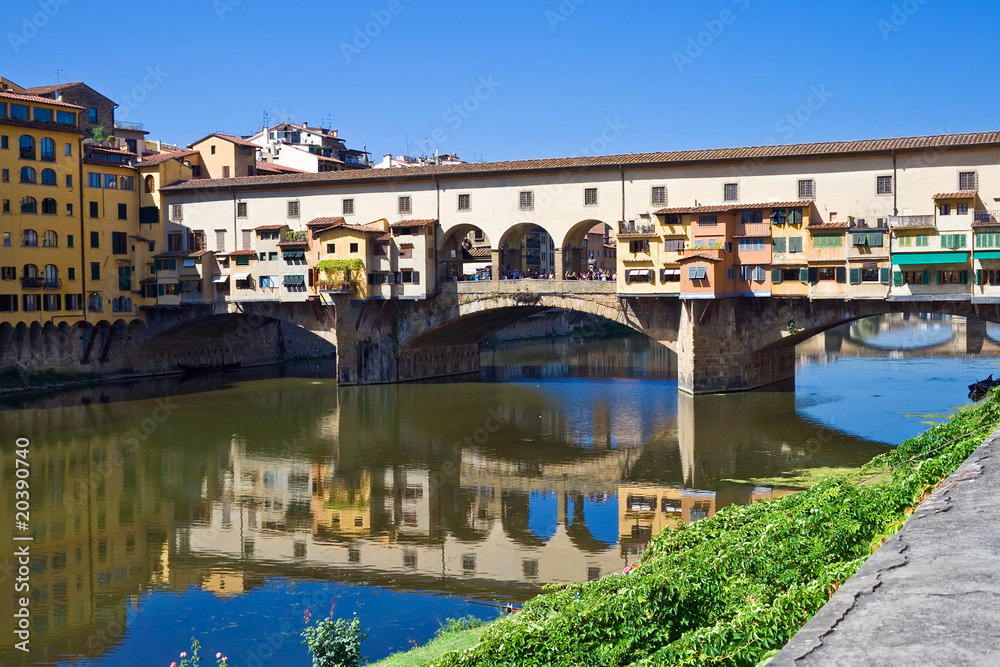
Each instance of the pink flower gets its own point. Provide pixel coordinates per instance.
(173, 664)
(218, 655)
(184, 654)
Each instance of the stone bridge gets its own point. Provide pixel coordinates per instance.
(723, 345)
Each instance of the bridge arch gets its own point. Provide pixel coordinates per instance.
(525, 247)
(463, 249)
(576, 244)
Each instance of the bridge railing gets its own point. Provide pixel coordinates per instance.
(531, 286)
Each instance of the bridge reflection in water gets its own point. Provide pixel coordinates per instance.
(484, 489)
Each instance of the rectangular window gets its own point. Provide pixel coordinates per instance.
(247, 239)
(52, 302)
(962, 209)
(293, 209)
(93, 180)
(8, 303)
(953, 241)
(220, 240)
(464, 202)
(968, 181)
(119, 243)
(807, 189)
(590, 196)
(71, 273)
(778, 244)
(953, 277)
(406, 252)
(883, 185)
(19, 111)
(95, 270)
(5, 176)
(828, 241)
(225, 169)
(354, 247)
(43, 115)
(348, 207)
(8, 273)
(921, 240)
(6, 207)
(905, 241)
(697, 273)
(731, 192)
(945, 209)
(794, 244)
(177, 212)
(4, 142)
(241, 209)
(526, 200)
(127, 183)
(752, 217)
(708, 220)
(110, 181)
(753, 244)
(638, 246)
(331, 248)
(123, 211)
(658, 195)
(92, 115)
(916, 278)
(69, 150)
(95, 239)
(69, 180)
(94, 210)
(405, 205)
(175, 242)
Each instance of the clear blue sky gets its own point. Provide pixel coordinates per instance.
(560, 74)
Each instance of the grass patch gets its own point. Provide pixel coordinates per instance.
(456, 635)
(15, 377)
(733, 589)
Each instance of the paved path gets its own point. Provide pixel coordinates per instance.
(930, 595)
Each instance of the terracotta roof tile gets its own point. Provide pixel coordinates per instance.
(228, 137)
(699, 257)
(829, 225)
(325, 221)
(968, 194)
(269, 228)
(36, 98)
(753, 153)
(243, 253)
(735, 206)
(480, 252)
(272, 168)
(45, 90)
(153, 160)
(301, 242)
(412, 223)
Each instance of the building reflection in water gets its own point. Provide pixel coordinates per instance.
(485, 489)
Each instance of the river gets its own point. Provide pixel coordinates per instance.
(223, 507)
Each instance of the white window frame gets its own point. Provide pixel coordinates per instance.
(526, 200)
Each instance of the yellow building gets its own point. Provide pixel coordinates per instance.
(41, 279)
(341, 245)
(225, 156)
(116, 257)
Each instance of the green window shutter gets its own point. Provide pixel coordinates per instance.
(921, 240)
(897, 278)
(860, 239)
(940, 281)
(883, 275)
(926, 278)
(965, 277)
(841, 275)
(160, 289)
(855, 276)
(979, 276)
(778, 244)
(795, 244)
(803, 275)
(795, 216)
(963, 241)
(875, 239)
(776, 276)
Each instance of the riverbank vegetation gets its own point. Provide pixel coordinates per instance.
(733, 589)
(15, 378)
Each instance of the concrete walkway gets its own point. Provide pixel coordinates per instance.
(930, 595)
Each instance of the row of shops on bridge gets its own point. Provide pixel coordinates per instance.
(784, 249)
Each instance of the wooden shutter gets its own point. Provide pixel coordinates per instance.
(897, 278)
(778, 244)
(841, 274)
(776, 276)
(804, 275)
(883, 275)
(926, 278)
(979, 276)
(965, 277)
(416, 277)
(855, 276)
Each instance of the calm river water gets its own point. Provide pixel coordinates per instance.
(224, 507)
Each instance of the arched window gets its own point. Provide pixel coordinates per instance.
(51, 275)
(49, 206)
(29, 205)
(50, 239)
(30, 271)
(48, 150)
(28, 175)
(150, 187)
(27, 146)
(29, 238)
(48, 177)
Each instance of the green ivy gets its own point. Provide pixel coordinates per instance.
(732, 589)
(332, 265)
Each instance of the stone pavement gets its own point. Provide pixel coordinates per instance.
(930, 595)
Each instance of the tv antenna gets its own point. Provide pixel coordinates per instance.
(57, 72)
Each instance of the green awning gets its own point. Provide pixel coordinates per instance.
(987, 254)
(915, 258)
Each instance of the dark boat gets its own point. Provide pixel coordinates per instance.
(983, 386)
(210, 368)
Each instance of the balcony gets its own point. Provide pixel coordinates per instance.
(36, 283)
(988, 217)
(752, 230)
(119, 125)
(912, 222)
(633, 228)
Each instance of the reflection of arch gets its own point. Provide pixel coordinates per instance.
(514, 516)
(578, 532)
